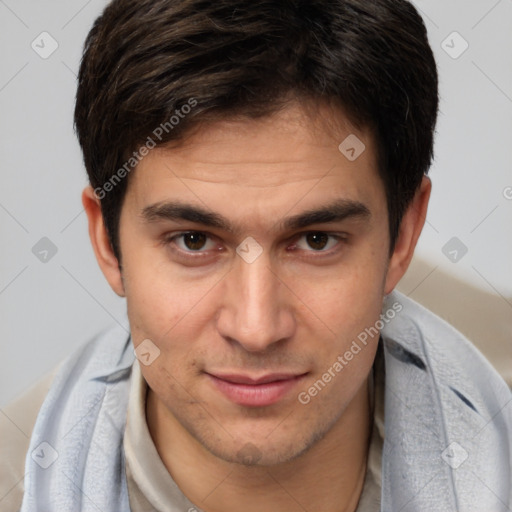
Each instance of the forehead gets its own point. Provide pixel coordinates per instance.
(292, 157)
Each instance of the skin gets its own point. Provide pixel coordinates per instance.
(295, 309)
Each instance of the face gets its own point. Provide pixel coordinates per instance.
(253, 255)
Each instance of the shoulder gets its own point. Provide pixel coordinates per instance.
(16, 425)
(449, 355)
(445, 365)
(445, 405)
(104, 357)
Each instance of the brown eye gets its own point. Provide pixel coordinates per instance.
(317, 241)
(194, 241)
(191, 241)
(192, 248)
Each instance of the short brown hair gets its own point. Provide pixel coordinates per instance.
(145, 61)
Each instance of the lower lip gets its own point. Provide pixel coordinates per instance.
(257, 395)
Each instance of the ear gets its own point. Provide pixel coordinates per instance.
(410, 230)
(100, 241)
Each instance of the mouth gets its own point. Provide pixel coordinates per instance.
(255, 392)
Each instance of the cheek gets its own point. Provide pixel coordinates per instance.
(345, 301)
(173, 310)
(172, 316)
(160, 296)
(349, 308)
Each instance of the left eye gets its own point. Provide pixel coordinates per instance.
(318, 241)
(193, 241)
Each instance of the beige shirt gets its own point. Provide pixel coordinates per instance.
(150, 486)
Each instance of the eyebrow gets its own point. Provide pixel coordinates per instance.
(336, 211)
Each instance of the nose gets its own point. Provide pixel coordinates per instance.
(256, 309)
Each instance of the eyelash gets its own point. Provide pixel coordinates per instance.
(170, 241)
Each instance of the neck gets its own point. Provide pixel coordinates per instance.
(328, 477)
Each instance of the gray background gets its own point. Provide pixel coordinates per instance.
(49, 308)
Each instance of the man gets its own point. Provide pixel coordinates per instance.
(258, 186)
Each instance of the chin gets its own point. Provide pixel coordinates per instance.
(262, 451)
